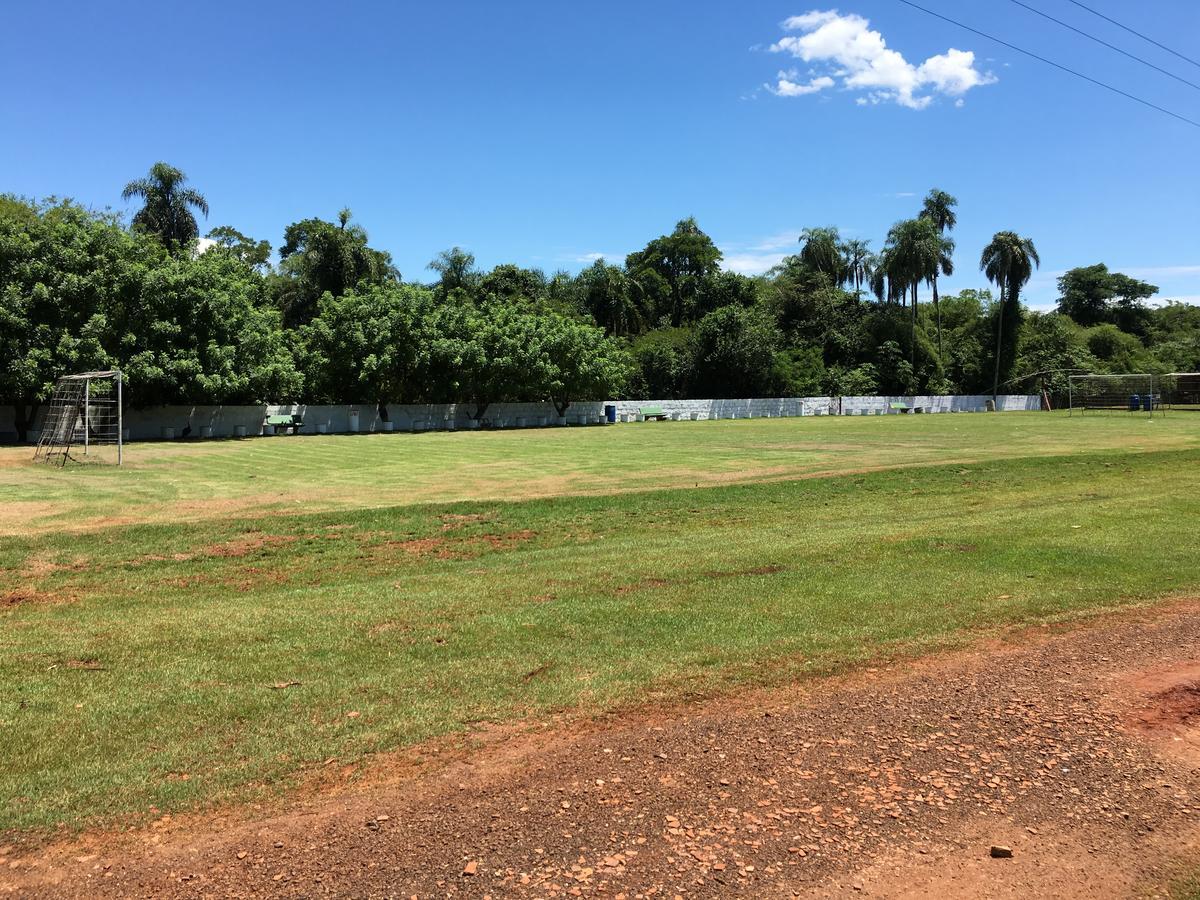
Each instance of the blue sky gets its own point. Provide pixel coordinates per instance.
(546, 133)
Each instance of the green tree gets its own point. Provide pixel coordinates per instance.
(583, 363)
(227, 239)
(199, 331)
(59, 265)
(513, 283)
(821, 251)
(916, 252)
(319, 257)
(734, 353)
(611, 299)
(369, 345)
(501, 357)
(674, 270)
(938, 208)
(858, 263)
(662, 363)
(167, 206)
(455, 268)
(1008, 262)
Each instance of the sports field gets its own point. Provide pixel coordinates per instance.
(219, 621)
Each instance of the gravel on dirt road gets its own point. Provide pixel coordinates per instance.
(1075, 748)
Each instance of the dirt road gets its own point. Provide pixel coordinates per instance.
(1078, 750)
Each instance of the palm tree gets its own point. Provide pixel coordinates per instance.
(939, 209)
(167, 210)
(939, 206)
(856, 263)
(913, 254)
(1008, 262)
(821, 251)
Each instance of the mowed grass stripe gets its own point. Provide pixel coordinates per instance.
(145, 654)
(174, 481)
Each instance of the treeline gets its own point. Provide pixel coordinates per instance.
(335, 321)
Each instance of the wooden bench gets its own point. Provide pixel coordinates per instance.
(294, 422)
(653, 412)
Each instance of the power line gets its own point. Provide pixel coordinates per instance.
(1050, 62)
(1136, 33)
(1091, 37)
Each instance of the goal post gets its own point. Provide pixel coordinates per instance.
(1180, 391)
(85, 414)
(1132, 394)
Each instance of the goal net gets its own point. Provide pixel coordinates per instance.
(83, 420)
(1136, 394)
(1181, 391)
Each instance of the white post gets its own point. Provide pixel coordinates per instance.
(120, 423)
(87, 401)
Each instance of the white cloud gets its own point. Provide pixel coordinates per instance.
(862, 61)
(751, 263)
(1160, 271)
(785, 87)
(593, 257)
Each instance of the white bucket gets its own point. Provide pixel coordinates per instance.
(354, 421)
(167, 433)
(387, 426)
(240, 431)
(206, 431)
(322, 428)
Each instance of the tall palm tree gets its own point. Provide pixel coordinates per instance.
(1008, 262)
(938, 208)
(821, 251)
(856, 263)
(168, 205)
(914, 253)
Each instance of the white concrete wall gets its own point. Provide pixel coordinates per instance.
(237, 421)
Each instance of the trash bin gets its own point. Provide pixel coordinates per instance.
(1135, 402)
(610, 413)
(1148, 403)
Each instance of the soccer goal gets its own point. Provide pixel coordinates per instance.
(83, 419)
(1180, 391)
(1136, 394)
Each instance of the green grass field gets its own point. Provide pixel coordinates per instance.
(407, 587)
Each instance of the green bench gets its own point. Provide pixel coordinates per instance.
(653, 412)
(904, 408)
(294, 422)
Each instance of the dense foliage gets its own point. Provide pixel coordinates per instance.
(333, 321)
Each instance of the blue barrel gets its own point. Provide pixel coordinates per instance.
(610, 413)
(1148, 403)
(1135, 402)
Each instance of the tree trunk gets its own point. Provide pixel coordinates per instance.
(24, 416)
(913, 329)
(937, 309)
(999, 336)
(480, 408)
(561, 408)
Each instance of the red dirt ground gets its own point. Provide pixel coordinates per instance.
(1078, 750)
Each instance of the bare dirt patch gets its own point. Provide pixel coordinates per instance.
(29, 595)
(246, 544)
(1164, 705)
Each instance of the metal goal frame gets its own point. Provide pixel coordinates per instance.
(85, 410)
(1134, 393)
